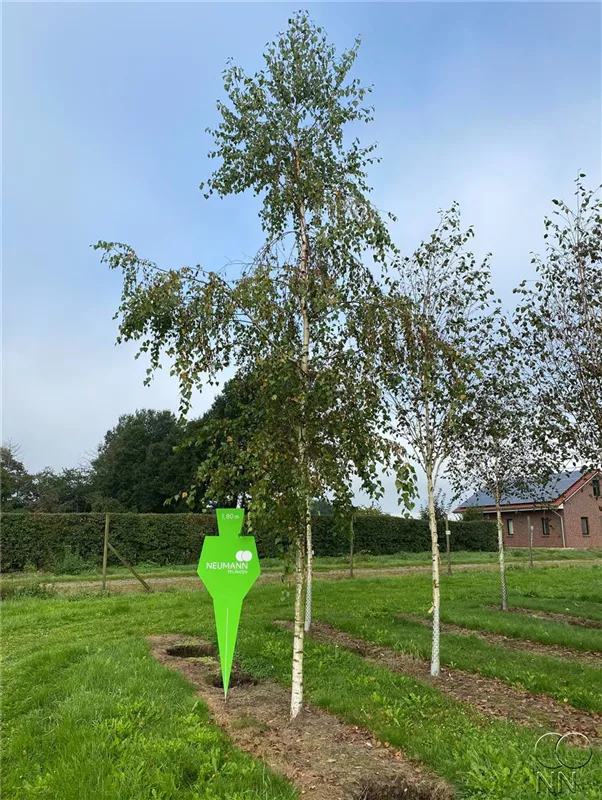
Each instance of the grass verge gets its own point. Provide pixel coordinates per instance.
(88, 714)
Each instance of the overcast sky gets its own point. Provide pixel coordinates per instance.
(105, 105)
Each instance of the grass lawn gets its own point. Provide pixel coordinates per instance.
(516, 555)
(89, 715)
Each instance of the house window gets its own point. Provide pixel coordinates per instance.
(585, 526)
(510, 527)
(596, 487)
(545, 526)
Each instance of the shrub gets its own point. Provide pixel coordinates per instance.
(15, 591)
(70, 562)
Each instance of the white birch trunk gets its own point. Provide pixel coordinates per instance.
(500, 545)
(297, 678)
(435, 655)
(304, 559)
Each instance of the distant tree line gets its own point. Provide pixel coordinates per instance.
(147, 458)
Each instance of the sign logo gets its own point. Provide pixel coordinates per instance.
(561, 756)
(228, 567)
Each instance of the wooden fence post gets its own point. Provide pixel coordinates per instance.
(447, 545)
(108, 546)
(105, 553)
(130, 567)
(351, 543)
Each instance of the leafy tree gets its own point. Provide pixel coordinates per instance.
(67, 491)
(7, 488)
(220, 438)
(497, 451)
(437, 315)
(441, 507)
(560, 322)
(15, 482)
(293, 318)
(136, 464)
(473, 514)
(373, 510)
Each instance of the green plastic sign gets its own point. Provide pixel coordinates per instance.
(228, 567)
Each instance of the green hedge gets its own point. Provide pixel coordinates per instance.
(379, 535)
(43, 539)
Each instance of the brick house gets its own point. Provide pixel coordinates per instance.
(566, 513)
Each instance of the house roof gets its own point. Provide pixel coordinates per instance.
(556, 490)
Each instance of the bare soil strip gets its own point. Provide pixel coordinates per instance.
(489, 696)
(512, 643)
(568, 619)
(132, 586)
(325, 758)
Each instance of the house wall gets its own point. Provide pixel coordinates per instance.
(521, 531)
(581, 504)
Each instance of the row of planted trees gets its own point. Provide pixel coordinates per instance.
(358, 359)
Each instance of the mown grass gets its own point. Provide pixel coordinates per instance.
(520, 627)
(464, 597)
(361, 561)
(585, 609)
(88, 714)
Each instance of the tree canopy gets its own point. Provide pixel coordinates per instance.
(560, 322)
(136, 464)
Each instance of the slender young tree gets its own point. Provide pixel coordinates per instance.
(496, 448)
(294, 317)
(560, 322)
(437, 313)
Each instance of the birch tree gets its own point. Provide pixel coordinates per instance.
(293, 317)
(496, 447)
(560, 322)
(437, 312)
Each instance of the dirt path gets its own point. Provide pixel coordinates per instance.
(513, 643)
(325, 758)
(132, 586)
(489, 696)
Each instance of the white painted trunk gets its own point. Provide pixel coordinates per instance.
(500, 546)
(435, 654)
(297, 678)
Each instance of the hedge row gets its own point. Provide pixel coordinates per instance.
(41, 540)
(380, 535)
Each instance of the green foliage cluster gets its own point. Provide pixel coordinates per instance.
(70, 543)
(137, 465)
(15, 483)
